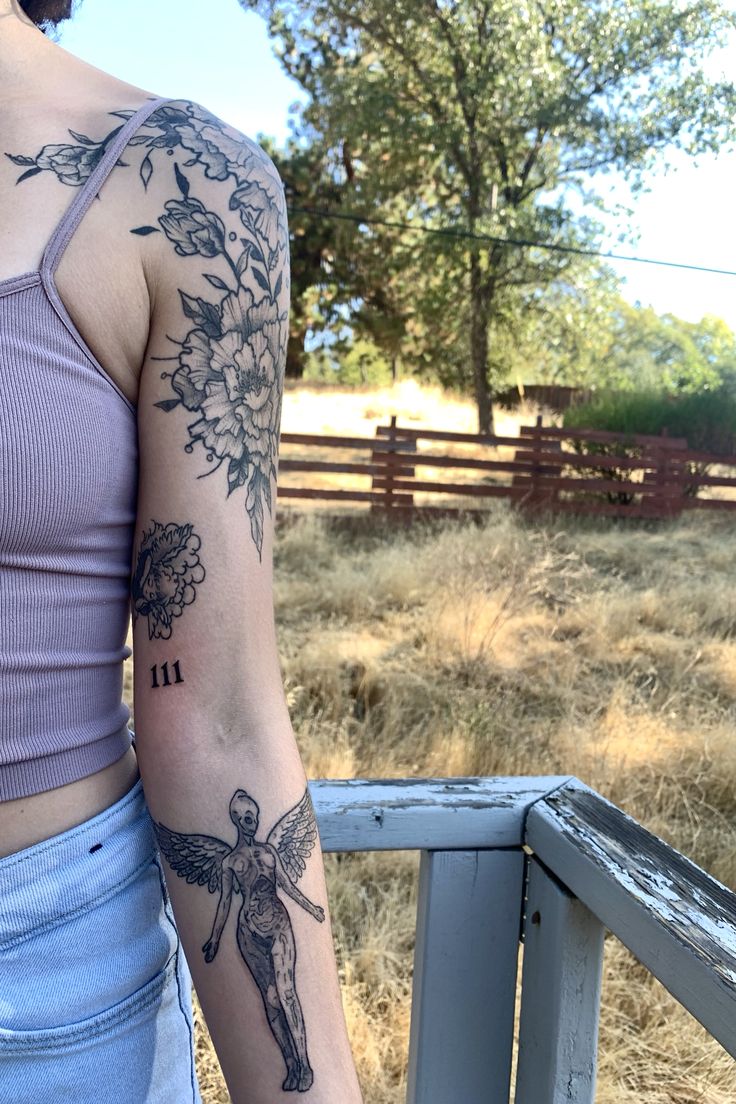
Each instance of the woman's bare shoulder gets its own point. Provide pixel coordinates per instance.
(85, 88)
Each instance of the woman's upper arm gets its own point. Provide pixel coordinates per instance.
(215, 247)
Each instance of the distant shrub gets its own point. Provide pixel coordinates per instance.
(706, 419)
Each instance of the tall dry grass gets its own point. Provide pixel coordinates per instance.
(516, 648)
(597, 649)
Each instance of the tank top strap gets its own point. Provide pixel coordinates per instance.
(77, 208)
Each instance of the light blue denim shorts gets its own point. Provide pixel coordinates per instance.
(95, 991)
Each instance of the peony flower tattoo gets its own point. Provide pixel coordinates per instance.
(231, 361)
(192, 229)
(72, 164)
(167, 569)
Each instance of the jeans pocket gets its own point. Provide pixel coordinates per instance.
(98, 964)
(140, 1049)
(139, 1004)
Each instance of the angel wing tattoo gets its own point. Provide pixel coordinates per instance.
(256, 869)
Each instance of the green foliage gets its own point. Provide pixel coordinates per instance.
(564, 334)
(319, 249)
(588, 336)
(482, 116)
(648, 351)
(359, 363)
(707, 419)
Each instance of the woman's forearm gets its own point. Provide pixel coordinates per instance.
(235, 826)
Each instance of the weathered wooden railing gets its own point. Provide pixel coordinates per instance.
(542, 468)
(550, 863)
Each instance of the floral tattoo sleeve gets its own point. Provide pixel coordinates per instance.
(230, 362)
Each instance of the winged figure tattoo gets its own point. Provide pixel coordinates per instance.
(256, 869)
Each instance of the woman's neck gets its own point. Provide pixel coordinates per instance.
(22, 48)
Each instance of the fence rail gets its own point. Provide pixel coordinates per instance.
(549, 863)
(542, 468)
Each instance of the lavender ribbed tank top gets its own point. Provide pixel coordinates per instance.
(68, 488)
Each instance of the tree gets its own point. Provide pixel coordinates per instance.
(482, 115)
(319, 249)
(648, 351)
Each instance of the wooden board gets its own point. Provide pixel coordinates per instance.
(603, 436)
(409, 434)
(398, 814)
(711, 480)
(336, 495)
(678, 920)
(532, 456)
(465, 963)
(708, 504)
(331, 441)
(432, 460)
(364, 468)
(477, 490)
(584, 484)
(560, 995)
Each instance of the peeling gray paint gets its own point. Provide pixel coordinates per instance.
(675, 918)
(454, 813)
(695, 908)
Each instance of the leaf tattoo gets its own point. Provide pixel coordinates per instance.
(167, 569)
(256, 869)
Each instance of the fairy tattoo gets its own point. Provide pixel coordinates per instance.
(257, 869)
(231, 360)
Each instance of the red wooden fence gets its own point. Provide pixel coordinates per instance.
(542, 468)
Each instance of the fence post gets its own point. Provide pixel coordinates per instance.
(384, 458)
(560, 995)
(667, 478)
(537, 497)
(465, 966)
(390, 460)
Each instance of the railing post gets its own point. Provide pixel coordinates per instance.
(674, 917)
(465, 966)
(560, 995)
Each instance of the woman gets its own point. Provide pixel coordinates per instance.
(144, 295)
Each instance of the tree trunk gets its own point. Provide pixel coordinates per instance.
(479, 314)
(295, 354)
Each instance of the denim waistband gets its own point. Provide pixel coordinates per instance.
(51, 880)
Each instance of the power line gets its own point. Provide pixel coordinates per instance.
(550, 246)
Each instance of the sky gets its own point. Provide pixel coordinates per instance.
(225, 61)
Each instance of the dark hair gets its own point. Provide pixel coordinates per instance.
(47, 13)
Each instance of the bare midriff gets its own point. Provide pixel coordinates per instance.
(28, 820)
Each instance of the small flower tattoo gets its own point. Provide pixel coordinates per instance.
(167, 571)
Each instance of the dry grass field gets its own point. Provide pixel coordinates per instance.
(603, 650)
